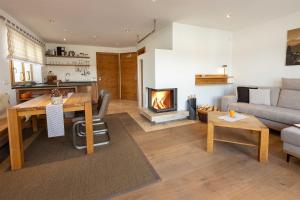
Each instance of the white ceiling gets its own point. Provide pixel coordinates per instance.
(80, 20)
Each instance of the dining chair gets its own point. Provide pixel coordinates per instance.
(99, 125)
(96, 107)
(100, 99)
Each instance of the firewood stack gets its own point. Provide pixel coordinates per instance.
(207, 108)
(203, 110)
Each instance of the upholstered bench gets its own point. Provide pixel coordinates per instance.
(291, 141)
(4, 104)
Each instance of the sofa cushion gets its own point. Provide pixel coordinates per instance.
(275, 91)
(273, 113)
(289, 99)
(291, 135)
(260, 96)
(291, 84)
(243, 93)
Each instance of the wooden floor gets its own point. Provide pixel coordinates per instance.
(231, 172)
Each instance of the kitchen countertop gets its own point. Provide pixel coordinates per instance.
(45, 85)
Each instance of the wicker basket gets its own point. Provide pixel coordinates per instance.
(202, 115)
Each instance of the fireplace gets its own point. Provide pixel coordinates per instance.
(162, 100)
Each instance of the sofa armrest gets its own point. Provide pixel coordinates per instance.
(226, 101)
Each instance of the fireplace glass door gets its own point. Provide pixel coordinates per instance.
(162, 100)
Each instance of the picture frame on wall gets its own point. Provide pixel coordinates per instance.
(293, 47)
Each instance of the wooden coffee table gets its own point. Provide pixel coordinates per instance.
(250, 123)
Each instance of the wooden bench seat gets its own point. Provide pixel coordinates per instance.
(3, 126)
(3, 131)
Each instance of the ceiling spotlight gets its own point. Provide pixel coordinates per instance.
(52, 21)
(126, 30)
(65, 39)
(228, 16)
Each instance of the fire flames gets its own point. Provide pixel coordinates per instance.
(161, 100)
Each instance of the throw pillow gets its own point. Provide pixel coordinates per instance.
(260, 96)
(289, 99)
(290, 84)
(243, 94)
(275, 91)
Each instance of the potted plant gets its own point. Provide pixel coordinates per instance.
(56, 97)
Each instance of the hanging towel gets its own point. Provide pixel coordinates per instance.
(55, 120)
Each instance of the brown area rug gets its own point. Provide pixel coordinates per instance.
(55, 170)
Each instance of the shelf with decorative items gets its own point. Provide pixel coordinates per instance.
(60, 57)
(71, 65)
(55, 56)
(74, 63)
(211, 79)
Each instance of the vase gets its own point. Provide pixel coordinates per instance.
(57, 100)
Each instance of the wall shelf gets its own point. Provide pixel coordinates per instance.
(212, 79)
(63, 65)
(50, 56)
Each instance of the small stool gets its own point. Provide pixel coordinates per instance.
(291, 142)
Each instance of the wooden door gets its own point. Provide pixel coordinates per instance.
(108, 73)
(128, 63)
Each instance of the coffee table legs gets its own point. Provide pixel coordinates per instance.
(210, 137)
(263, 149)
(263, 146)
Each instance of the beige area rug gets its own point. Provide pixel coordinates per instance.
(55, 170)
(131, 107)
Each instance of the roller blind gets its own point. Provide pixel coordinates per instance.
(23, 48)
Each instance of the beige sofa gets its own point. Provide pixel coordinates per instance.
(283, 112)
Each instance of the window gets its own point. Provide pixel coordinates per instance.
(22, 71)
(23, 48)
(25, 54)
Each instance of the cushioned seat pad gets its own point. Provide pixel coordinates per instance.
(273, 113)
(291, 135)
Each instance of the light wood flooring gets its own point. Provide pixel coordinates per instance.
(179, 156)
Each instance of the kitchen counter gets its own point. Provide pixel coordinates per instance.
(35, 90)
(62, 84)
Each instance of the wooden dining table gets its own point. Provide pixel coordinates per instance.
(37, 106)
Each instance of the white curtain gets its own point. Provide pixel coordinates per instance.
(23, 48)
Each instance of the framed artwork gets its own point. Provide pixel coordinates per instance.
(293, 47)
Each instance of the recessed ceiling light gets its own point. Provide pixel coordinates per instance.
(153, 0)
(65, 39)
(52, 20)
(126, 30)
(228, 16)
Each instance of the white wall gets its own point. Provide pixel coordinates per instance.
(90, 50)
(162, 39)
(196, 50)
(259, 53)
(5, 85)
